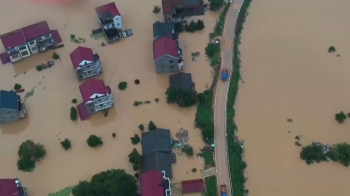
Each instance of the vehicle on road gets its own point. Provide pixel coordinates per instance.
(223, 190)
(224, 74)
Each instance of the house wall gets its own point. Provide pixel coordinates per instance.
(8, 115)
(168, 19)
(118, 23)
(166, 64)
(100, 103)
(33, 43)
(89, 70)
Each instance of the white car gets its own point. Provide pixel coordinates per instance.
(231, 1)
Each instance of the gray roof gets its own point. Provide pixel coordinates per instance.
(8, 100)
(192, 2)
(182, 80)
(157, 161)
(163, 30)
(158, 140)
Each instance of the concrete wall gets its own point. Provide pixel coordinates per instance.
(8, 115)
(166, 64)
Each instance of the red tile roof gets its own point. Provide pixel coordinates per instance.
(163, 46)
(111, 7)
(36, 30)
(80, 54)
(5, 58)
(192, 186)
(83, 113)
(150, 182)
(8, 187)
(168, 4)
(13, 39)
(93, 86)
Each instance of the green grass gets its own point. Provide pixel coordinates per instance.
(237, 165)
(63, 192)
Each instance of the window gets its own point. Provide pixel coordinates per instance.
(22, 48)
(34, 48)
(171, 67)
(89, 72)
(46, 36)
(92, 110)
(171, 61)
(31, 43)
(14, 56)
(24, 53)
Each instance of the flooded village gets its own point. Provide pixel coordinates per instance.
(56, 57)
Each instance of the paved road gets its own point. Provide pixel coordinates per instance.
(222, 166)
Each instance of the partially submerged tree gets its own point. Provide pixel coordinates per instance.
(135, 140)
(156, 9)
(66, 144)
(135, 159)
(17, 87)
(342, 153)
(108, 183)
(73, 113)
(331, 49)
(340, 117)
(212, 49)
(94, 141)
(216, 5)
(151, 126)
(29, 153)
(141, 127)
(188, 150)
(184, 98)
(312, 153)
(122, 85)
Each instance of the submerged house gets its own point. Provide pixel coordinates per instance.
(177, 10)
(192, 186)
(161, 29)
(167, 55)
(155, 183)
(85, 62)
(29, 40)
(110, 20)
(156, 152)
(181, 80)
(96, 97)
(11, 187)
(12, 107)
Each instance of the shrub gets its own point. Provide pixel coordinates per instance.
(179, 28)
(192, 27)
(216, 5)
(194, 170)
(122, 85)
(74, 101)
(135, 159)
(340, 117)
(151, 126)
(331, 49)
(188, 150)
(73, 114)
(184, 98)
(114, 135)
(156, 100)
(39, 68)
(312, 153)
(55, 56)
(141, 127)
(156, 9)
(212, 49)
(66, 144)
(94, 141)
(342, 153)
(137, 81)
(17, 87)
(29, 153)
(135, 167)
(137, 103)
(200, 25)
(135, 140)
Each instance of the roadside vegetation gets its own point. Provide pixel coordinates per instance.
(29, 153)
(220, 25)
(216, 5)
(211, 189)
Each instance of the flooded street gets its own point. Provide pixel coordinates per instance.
(287, 73)
(48, 109)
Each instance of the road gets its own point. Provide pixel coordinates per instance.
(221, 160)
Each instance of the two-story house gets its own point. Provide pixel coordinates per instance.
(11, 187)
(161, 29)
(96, 97)
(168, 55)
(86, 64)
(12, 108)
(177, 10)
(109, 18)
(155, 183)
(29, 40)
(181, 80)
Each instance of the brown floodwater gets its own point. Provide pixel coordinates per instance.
(287, 72)
(48, 109)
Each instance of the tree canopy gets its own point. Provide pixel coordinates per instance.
(29, 153)
(340, 117)
(342, 153)
(312, 153)
(108, 183)
(215, 5)
(184, 98)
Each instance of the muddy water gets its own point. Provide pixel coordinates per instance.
(48, 109)
(288, 73)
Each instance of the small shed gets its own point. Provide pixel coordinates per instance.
(192, 186)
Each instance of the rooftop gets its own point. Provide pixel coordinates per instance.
(13, 39)
(157, 161)
(192, 186)
(169, 4)
(36, 30)
(181, 80)
(81, 54)
(161, 29)
(93, 86)
(8, 100)
(108, 10)
(165, 46)
(158, 140)
(8, 187)
(152, 183)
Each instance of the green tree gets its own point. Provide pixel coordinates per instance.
(179, 28)
(29, 153)
(108, 183)
(156, 9)
(340, 117)
(141, 127)
(55, 56)
(212, 49)
(94, 141)
(73, 113)
(331, 49)
(66, 144)
(74, 100)
(200, 25)
(184, 98)
(135, 140)
(17, 87)
(342, 153)
(151, 126)
(122, 85)
(312, 153)
(215, 5)
(192, 27)
(188, 150)
(135, 159)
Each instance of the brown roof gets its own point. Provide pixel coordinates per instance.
(165, 46)
(13, 39)
(36, 30)
(168, 4)
(192, 186)
(81, 54)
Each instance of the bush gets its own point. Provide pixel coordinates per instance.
(74, 101)
(39, 68)
(55, 56)
(212, 49)
(135, 167)
(135, 159)
(111, 182)
(94, 141)
(194, 170)
(184, 98)
(188, 150)
(122, 85)
(156, 9)
(141, 127)
(29, 153)
(192, 27)
(179, 28)
(114, 135)
(151, 126)
(66, 144)
(312, 153)
(156, 100)
(342, 153)
(137, 81)
(331, 49)
(17, 87)
(200, 25)
(135, 140)
(73, 114)
(340, 117)
(216, 5)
